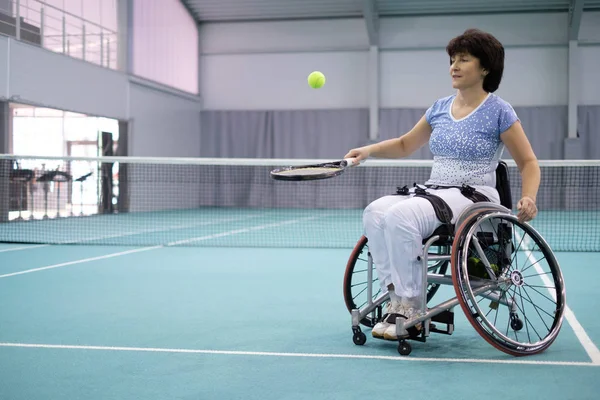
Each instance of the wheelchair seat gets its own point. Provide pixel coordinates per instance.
(445, 232)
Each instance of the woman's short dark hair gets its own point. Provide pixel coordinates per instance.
(487, 49)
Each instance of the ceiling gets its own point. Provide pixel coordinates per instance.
(248, 10)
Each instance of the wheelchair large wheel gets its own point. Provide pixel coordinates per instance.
(508, 282)
(356, 280)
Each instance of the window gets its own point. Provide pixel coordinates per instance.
(165, 44)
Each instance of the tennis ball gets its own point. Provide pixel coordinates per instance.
(316, 79)
(476, 267)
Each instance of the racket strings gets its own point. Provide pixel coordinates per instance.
(308, 171)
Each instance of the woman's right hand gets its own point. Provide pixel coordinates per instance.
(359, 154)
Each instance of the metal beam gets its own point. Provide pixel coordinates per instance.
(373, 94)
(573, 85)
(371, 21)
(372, 24)
(124, 36)
(18, 20)
(575, 13)
(573, 79)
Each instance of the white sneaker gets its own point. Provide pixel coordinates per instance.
(380, 328)
(402, 311)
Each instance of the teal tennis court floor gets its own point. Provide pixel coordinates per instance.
(109, 322)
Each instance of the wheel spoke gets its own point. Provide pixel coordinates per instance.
(359, 293)
(540, 293)
(525, 269)
(510, 315)
(496, 317)
(518, 295)
(523, 313)
(527, 319)
(516, 251)
(530, 276)
(508, 319)
(537, 308)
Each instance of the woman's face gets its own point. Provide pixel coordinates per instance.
(465, 70)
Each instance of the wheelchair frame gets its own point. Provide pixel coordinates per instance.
(444, 311)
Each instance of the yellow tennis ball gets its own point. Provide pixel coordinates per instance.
(316, 79)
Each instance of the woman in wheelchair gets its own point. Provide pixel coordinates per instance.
(467, 133)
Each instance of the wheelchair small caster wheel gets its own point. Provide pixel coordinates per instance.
(359, 338)
(404, 348)
(516, 323)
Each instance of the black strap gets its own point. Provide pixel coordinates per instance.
(402, 190)
(468, 191)
(443, 212)
(472, 194)
(413, 331)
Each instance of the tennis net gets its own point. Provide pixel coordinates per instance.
(132, 201)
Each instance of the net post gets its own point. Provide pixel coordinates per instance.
(123, 151)
(106, 175)
(5, 164)
(4, 190)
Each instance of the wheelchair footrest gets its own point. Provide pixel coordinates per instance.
(447, 318)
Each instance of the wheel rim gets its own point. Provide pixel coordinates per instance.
(530, 282)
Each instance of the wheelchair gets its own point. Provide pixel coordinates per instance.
(506, 279)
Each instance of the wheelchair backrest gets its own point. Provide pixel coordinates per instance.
(503, 184)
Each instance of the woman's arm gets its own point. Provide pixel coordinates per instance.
(520, 149)
(400, 147)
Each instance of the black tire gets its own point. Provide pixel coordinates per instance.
(404, 348)
(359, 338)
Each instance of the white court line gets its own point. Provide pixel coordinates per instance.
(24, 248)
(297, 355)
(581, 334)
(161, 229)
(85, 260)
(121, 253)
(244, 230)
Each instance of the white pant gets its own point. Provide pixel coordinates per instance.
(395, 227)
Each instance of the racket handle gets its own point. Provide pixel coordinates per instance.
(350, 162)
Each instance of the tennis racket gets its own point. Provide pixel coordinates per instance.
(312, 172)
